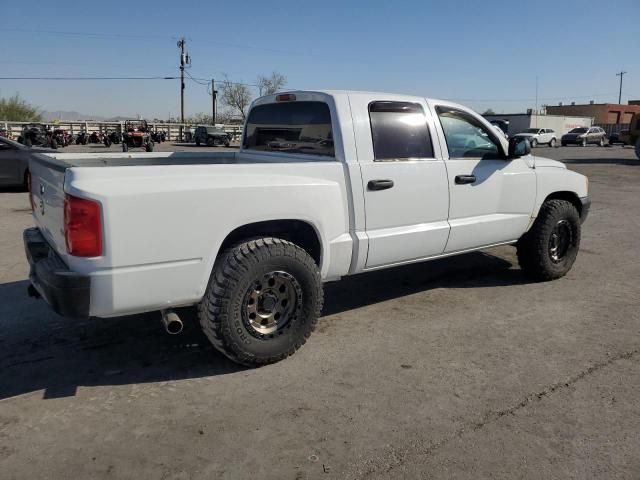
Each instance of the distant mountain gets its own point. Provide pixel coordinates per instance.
(64, 115)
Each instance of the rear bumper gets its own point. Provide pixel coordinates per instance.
(586, 205)
(66, 292)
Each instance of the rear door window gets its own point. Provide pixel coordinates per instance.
(399, 131)
(290, 127)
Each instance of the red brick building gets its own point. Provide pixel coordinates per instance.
(601, 112)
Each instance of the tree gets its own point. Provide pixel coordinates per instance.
(489, 111)
(272, 84)
(236, 96)
(15, 109)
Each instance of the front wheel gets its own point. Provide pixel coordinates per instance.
(534, 143)
(549, 249)
(263, 301)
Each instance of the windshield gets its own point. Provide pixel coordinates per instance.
(531, 130)
(578, 130)
(292, 127)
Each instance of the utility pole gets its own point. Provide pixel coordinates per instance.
(621, 74)
(213, 100)
(184, 60)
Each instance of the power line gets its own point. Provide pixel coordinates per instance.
(84, 34)
(90, 78)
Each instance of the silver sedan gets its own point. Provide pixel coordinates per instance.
(14, 162)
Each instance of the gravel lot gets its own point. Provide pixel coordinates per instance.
(459, 368)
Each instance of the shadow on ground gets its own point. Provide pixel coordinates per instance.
(43, 351)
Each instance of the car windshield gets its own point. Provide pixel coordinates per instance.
(531, 130)
(578, 130)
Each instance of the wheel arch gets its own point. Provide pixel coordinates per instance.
(300, 232)
(569, 196)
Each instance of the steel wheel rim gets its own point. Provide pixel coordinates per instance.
(560, 241)
(271, 304)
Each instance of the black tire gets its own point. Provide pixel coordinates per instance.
(638, 149)
(197, 143)
(226, 143)
(149, 147)
(54, 144)
(125, 147)
(563, 144)
(535, 251)
(238, 274)
(211, 142)
(534, 143)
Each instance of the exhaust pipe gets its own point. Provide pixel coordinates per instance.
(172, 323)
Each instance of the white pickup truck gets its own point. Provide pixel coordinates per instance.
(326, 184)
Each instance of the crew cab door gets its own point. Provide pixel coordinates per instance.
(404, 181)
(491, 198)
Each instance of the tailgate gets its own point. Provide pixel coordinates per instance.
(47, 187)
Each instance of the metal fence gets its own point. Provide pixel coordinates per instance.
(174, 131)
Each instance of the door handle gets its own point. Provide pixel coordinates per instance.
(379, 184)
(464, 179)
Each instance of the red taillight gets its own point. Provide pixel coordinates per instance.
(82, 227)
(286, 97)
(30, 192)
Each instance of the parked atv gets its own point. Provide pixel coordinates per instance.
(211, 136)
(62, 137)
(136, 135)
(82, 138)
(96, 137)
(39, 135)
(110, 138)
(159, 137)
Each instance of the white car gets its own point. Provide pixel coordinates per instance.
(367, 181)
(539, 136)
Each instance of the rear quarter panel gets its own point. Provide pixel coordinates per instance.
(163, 225)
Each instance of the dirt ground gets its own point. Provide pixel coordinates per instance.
(457, 368)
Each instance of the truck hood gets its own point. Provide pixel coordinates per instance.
(547, 162)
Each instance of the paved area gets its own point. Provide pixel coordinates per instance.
(459, 368)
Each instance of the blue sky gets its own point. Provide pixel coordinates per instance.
(481, 53)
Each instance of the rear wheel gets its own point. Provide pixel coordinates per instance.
(552, 143)
(262, 302)
(549, 249)
(211, 142)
